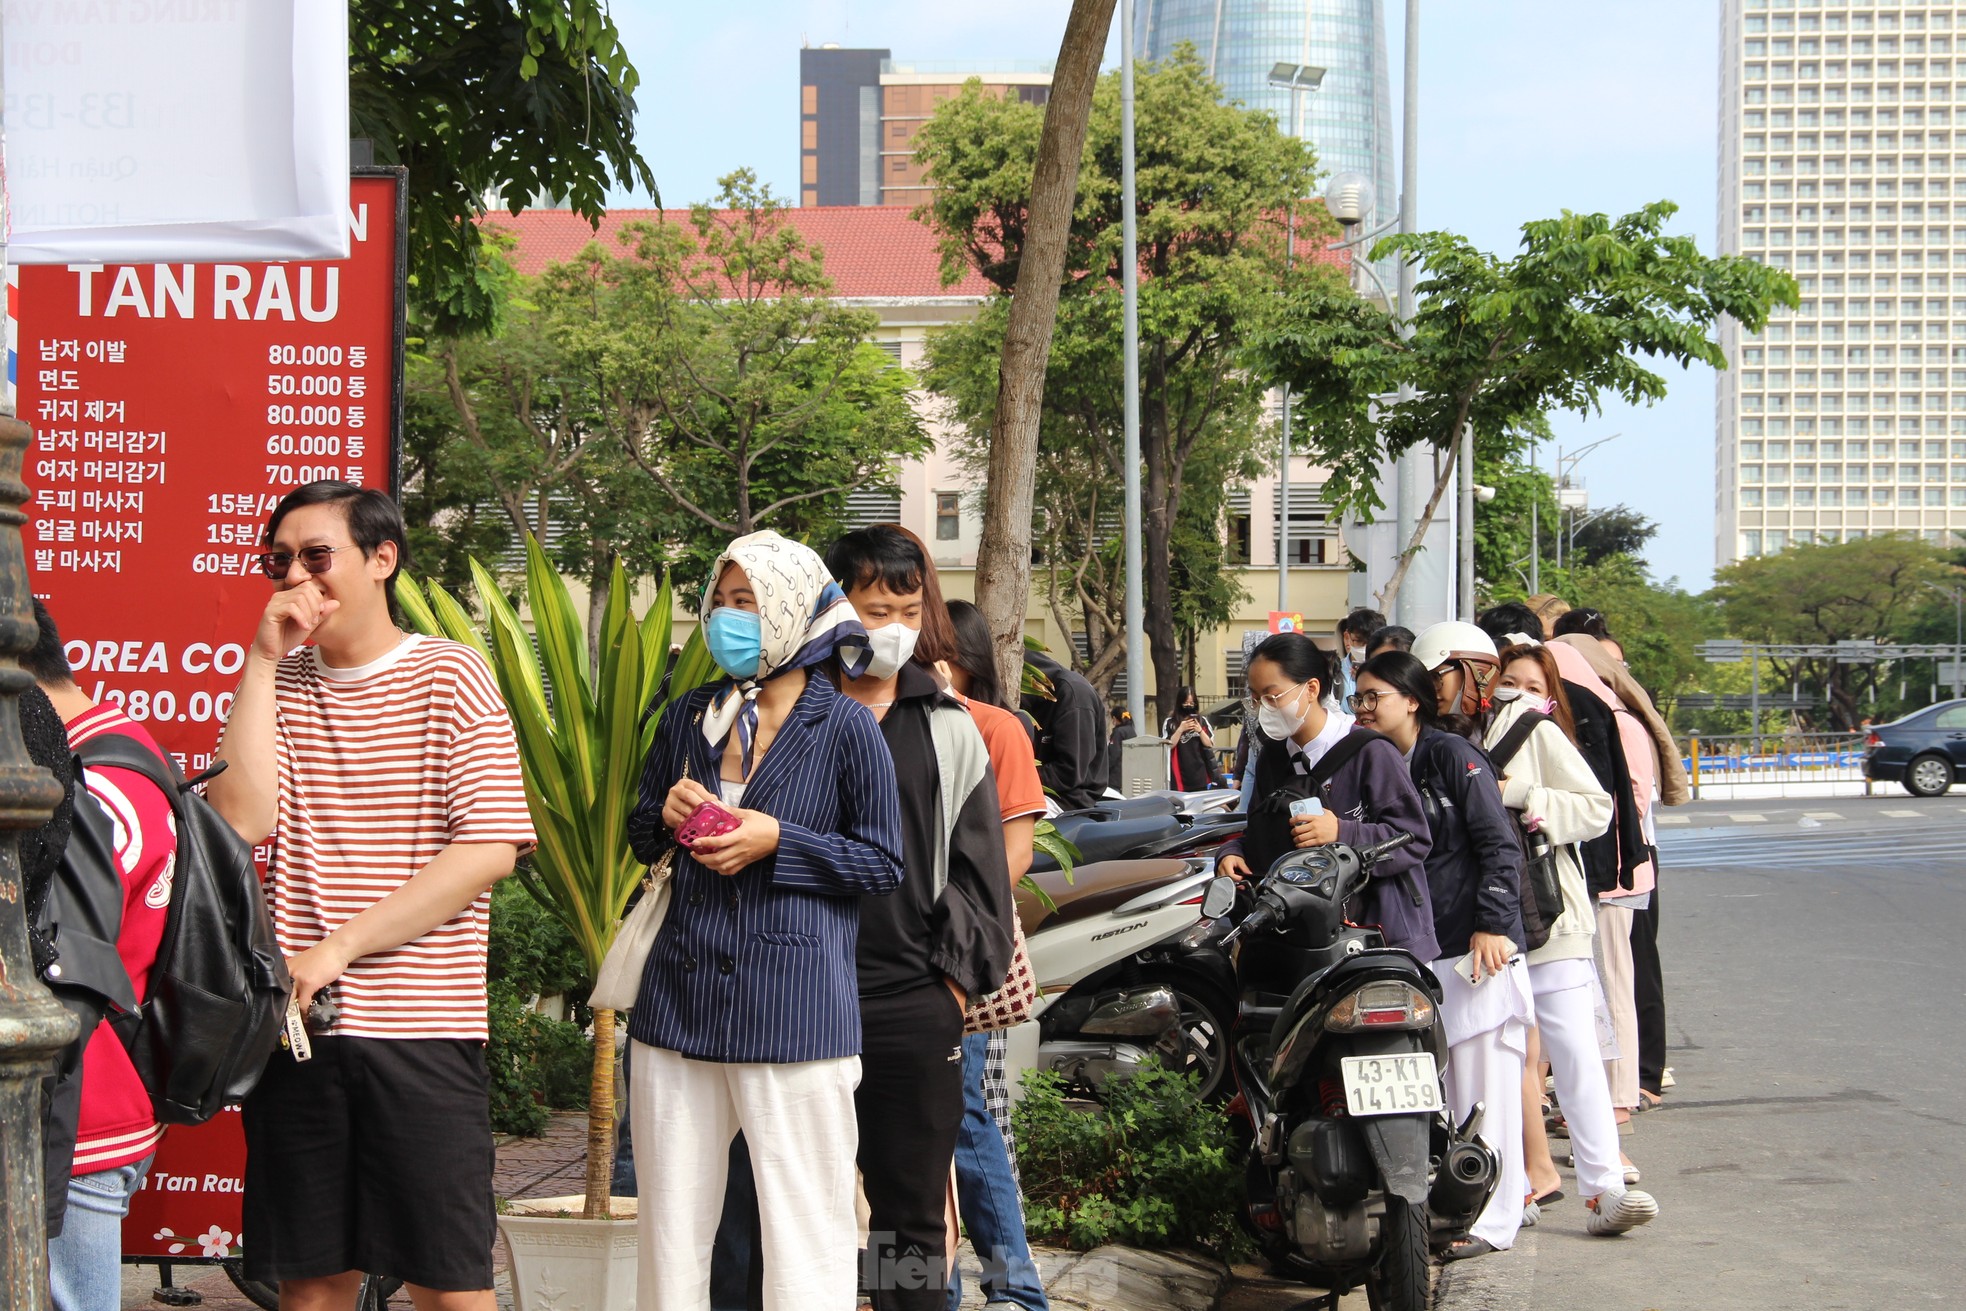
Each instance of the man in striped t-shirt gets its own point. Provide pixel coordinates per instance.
(384, 768)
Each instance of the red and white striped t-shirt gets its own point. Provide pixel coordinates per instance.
(380, 768)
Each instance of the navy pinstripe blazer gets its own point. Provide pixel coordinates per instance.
(759, 966)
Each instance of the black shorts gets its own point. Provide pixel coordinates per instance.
(374, 1156)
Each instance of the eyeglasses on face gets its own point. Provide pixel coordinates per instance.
(1275, 700)
(1358, 701)
(314, 559)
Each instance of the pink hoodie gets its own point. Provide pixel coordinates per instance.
(1637, 743)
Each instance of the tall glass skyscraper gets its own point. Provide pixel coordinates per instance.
(1349, 119)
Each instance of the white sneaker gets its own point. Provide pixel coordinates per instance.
(1617, 1213)
(1666, 1080)
(1531, 1213)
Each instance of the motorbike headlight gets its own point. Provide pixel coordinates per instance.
(1382, 1004)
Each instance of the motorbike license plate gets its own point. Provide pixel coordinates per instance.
(1391, 1085)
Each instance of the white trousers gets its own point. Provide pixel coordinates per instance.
(1568, 1025)
(1614, 968)
(1487, 1027)
(799, 1123)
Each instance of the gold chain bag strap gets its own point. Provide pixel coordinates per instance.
(619, 982)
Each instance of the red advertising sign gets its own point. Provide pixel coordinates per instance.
(190, 1205)
(172, 406)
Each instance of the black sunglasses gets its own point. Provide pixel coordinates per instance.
(314, 559)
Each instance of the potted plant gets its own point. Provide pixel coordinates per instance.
(582, 735)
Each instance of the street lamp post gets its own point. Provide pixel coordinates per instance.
(33, 1025)
(1136, 610)
(1297, 79)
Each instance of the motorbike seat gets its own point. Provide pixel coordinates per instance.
(1100, 839)
(1095, 888)
(1154, 803)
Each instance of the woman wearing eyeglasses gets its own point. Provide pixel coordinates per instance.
(1364, 800)
(1474, 872)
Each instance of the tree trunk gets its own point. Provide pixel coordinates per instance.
(600, 1120)
(597, 603)
(1389, 594)
(1003, 559)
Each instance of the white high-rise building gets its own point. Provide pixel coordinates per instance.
(1843, 160)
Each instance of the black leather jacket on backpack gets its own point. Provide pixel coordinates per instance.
(1474, 867)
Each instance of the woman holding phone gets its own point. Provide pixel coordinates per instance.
(1474, 871)
(748, 1016)
(1362, 792)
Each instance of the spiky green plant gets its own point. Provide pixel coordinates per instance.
(582, 739)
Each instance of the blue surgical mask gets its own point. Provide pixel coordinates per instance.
(736, 640)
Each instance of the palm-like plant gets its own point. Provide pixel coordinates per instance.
(583, 733)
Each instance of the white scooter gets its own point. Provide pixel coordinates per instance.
(1127, 969)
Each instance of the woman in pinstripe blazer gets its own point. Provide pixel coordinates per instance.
(748, 1017)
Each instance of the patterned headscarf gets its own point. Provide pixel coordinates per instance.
(804, 619)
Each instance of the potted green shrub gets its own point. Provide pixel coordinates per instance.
(582, 737)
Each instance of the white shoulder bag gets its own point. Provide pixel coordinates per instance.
(619, 983)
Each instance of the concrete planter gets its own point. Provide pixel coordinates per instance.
(563, 1263)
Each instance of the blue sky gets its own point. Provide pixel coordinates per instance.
(1527, 107)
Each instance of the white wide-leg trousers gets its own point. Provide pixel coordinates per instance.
(799, 1123)
(1614, 966)
(1568, 1025)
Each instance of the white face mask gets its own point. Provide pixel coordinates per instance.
(1280, 722)
(1504, 695)
(891, 646)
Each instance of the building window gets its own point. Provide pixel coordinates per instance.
(948, 517)
(1750, 543)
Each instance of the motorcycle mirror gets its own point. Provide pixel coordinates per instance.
(1220, 898)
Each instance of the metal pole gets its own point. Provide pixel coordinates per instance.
(1958, 643)
(1467, 524)
(1409, 471)
(1535, 538)
(1283, 456)
(34, 1027)
(1136, 620)
(1754, 698)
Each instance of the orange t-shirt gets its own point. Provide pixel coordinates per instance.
(1013, 759)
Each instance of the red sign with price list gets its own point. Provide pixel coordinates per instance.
(173, 405)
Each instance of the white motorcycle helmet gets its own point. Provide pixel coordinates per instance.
(1461, 647)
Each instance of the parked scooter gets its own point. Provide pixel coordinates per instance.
(1145, 827)
(1128, 970)
(1355, 1170)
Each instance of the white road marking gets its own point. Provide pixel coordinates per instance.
(1673, 821)
(1902, 814)
(1820, 814)
(1749, 819)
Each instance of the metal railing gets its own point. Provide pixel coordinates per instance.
(1789, 758)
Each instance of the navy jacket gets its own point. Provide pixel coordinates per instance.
(759, 966)
(1374, 798)
(1474, 865)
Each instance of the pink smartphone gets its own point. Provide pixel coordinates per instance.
(706, 821)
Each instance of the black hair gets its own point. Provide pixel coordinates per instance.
(1391, 636)
(976, 653)
(373, 518)
(1185, 696)
(47, 662)
(888, 556)
(1582, 620)
(1301, 659)
(1498, 621)
(1362, 623)
(1407, 676)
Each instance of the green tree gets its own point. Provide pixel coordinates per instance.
(1504, 541)
(714, 358)
(1497, 343)
(1613, 531)
(1214, 183)
(1816, 594)
(516, 99)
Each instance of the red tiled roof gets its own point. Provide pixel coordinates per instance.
(870, 250)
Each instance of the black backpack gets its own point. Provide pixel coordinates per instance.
(219, 990)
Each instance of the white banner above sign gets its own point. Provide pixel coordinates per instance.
(165, 131)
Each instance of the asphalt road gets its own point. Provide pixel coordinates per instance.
(1811, 1155)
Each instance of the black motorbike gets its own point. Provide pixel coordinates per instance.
(1356, 1173)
